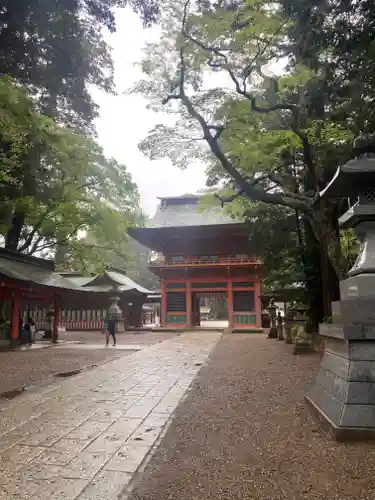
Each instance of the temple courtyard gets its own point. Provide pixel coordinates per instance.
(163, 416)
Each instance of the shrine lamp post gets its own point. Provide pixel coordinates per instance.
(344, 391)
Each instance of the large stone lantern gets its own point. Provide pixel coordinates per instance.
(114, 311)
(273, 333)
(344, 390)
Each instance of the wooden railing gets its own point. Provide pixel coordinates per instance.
(199, 261)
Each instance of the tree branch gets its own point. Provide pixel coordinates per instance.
(36, 228)
(248, 189)
(35, 247)
(229, 199)
(245, 188)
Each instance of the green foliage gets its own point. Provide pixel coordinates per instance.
(55, 183)
(71, 188)
(277, 139)
(349, 248)
(57, 48)
(273, 237)
(137, 265)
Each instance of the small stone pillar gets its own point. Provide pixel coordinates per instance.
(288, 323)
(344, 391)
(272, 311)
(280, 327)
(49, 331)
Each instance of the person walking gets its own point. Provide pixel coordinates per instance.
(110, 329)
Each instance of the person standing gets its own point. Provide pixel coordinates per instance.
(30, 329)
(112, 325)
(280, 333)
(110, 329)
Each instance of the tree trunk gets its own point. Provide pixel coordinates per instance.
(29, 188)
(324, 226)
(313, 272)
(13, 236)
(331, 256)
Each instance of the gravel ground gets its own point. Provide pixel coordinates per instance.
(24, 368)
(244, 432)
(147, 338)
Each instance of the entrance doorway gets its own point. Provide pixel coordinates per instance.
(209, 309)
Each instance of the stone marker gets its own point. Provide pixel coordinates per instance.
(273, 333)
(343, 394)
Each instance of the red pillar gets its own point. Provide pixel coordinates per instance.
(56, 319)
(230, 304)
(258, 306)
(188, 304)
(163, 320)
(16, 311)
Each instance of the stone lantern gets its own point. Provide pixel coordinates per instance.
(272, 312)
(344, 390)
(114, 311)
(50, 331)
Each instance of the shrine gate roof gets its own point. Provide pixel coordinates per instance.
(184, 211)
(182, 219)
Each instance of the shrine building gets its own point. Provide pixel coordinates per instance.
(31, 286)
(198, 252)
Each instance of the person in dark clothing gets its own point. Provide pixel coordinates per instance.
(29, 327)
(21, 331)
(110, 327)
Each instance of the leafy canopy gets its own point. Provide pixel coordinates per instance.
(74, 187)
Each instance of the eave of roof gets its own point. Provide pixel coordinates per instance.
(110, 280)
(28, 269)
(155, 237)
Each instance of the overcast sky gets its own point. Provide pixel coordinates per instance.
(124, 120)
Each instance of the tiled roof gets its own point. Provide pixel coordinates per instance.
(115, 279)
(184, 211)
(22, 267)
(125, 282)
(78, 280)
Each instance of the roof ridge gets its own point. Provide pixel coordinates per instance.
(15, 255)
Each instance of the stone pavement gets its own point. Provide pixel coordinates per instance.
(84, 437)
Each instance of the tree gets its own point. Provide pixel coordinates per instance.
(71, 188)
(136, 265)
(92, 254)
(56, 51)
(276, 140)
(274, 237)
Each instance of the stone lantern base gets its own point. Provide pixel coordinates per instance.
(273, 334)
(343, 395)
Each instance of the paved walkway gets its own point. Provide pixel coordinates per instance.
(83, 438)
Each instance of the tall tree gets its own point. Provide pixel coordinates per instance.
(274, 236)
(276, 140)
(72, 187)
(56, 49)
